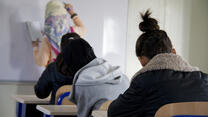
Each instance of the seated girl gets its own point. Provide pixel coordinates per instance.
(94, 79)
(56, 73)
(165, 77)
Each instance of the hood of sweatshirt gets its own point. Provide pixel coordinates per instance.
(97, 72)
(95, 83)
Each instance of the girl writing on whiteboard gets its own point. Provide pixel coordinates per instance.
(56, 25)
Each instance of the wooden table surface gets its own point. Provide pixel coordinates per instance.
(58, 109)
(31, 99)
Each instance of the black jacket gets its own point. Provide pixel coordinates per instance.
(167, 78)
(50, 81)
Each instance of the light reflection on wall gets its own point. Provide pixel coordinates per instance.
(111, 43)
(109, 37)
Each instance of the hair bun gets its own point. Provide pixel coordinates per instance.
(148, 24)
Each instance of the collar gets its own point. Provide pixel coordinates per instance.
(167, 61)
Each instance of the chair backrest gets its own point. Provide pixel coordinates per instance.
(184, 108)
(63, 91)
(105, 105)
(190, 116)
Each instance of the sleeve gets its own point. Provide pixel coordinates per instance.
(79, 27)
(130, 103)
(44, 85)
(42, 54)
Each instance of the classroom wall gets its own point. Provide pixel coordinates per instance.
(185, 21)
(7, 90)
(17, 62)
(198, 44)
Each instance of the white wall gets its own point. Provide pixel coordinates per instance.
(185, 21)
(106, 24)
(16, 50)
(198, 44)
(7, 90)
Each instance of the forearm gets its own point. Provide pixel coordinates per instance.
(117, 108)
(41, 93)
(38, 58)
(79, 26)
(77, 21)
(129, 103)
(44, 86)
(42, 54)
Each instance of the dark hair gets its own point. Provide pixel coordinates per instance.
(153, 41)
(66, 38)
(76, 54)
(61, 66)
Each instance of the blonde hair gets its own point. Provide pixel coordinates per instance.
(55, 8)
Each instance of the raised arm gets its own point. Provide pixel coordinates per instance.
(79, 26)
(42, 54)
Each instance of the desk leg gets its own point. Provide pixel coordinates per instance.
(45, 115)
(20, 109)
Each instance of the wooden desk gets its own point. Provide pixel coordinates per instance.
(99, 113)
(25, 105)
(52, 110)
(31, 99)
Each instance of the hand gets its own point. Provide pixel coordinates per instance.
(35, 43)
(69, 8)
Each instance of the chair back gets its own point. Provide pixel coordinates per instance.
(62, 95)
(184, 108)
(105, 105)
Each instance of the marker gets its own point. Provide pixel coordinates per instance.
(68, 9)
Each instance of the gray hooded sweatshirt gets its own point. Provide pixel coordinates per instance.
(96, 83)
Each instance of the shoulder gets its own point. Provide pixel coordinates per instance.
(144, 77)
(204, 75)
(149, 78)
(157, 76)
(51, 67)
(199, 74)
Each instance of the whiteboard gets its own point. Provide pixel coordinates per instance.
(105, 21)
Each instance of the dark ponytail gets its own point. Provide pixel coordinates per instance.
(149, 24)
(153, 41)
(61, 66)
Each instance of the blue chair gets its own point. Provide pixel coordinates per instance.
(60, 99)
(62, 95)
